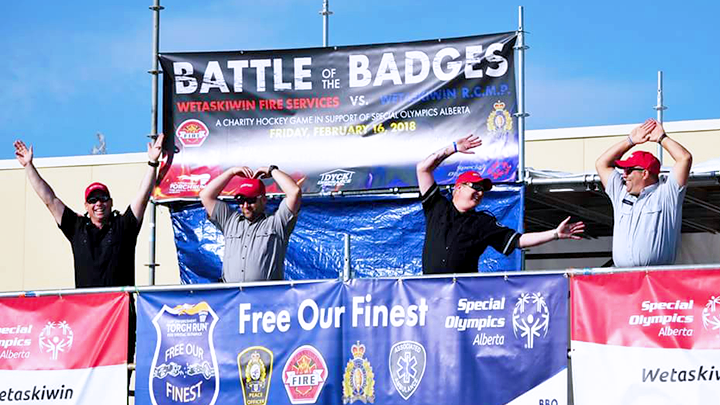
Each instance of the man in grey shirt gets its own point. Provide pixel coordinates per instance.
(255, 243)
(647, 210)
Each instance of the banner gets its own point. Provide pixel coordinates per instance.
(653, 337)
(64, 349)
(339, 118)
(386, 237)
(484, 340)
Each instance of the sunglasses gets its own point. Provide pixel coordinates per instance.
(629, 170)
(242, 199)
(476, 186)
(101, 198)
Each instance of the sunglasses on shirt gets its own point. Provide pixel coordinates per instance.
(242, 199)
(629, 170)
(101, 198)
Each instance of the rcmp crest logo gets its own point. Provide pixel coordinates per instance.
(255, 366)
(407, 366)
(499, 122)
(304, 375)
(184, 367)
(359, 379)
(530, 318)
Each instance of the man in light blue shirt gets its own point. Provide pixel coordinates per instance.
(647, 210)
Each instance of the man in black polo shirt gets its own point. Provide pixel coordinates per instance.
(103, 241)
(455, 234)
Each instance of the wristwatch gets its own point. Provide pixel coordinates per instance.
(270, 169)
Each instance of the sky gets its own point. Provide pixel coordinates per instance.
(74, 69)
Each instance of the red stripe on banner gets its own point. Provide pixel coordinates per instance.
(63, 332)
(665, 309)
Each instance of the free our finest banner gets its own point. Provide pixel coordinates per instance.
(483, 340)
(339, 118)
(646, 338)
(64, 349)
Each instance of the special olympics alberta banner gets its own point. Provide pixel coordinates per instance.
(339, 118)
(480, 340)
(653, 337)
(64, 349)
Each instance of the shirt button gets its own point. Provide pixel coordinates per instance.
(447, 247)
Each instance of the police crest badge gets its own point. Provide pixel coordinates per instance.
(359, 379)
(255, 366)
(499, 122)
(407, 366)
(185, 367)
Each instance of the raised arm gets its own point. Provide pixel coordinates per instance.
(427, 166)
(42, 189)
(682, 157)
(208, 195)
(563, 231)
(140, 201)
(293, 193)
(605, 164)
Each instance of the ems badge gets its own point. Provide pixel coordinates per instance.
(304, 375)
(184, 368)
(255, 367)
(358, 380)
(499, 122)
(407, 366)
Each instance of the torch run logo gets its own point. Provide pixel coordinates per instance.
(55, 338)
(530, 318)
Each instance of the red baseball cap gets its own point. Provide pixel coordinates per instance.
(251, 188)
(96, 187)
(643, 159)
(474, 177)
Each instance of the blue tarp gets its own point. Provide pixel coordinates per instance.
(386, 237)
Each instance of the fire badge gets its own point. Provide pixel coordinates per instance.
(192, 133)
(358, 380)
(184, 368)
(499, 122)
(255, 367)
(407, 366)
(304, 375)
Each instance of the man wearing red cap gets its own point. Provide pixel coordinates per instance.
(255, 243)
(103, 241)
(648, 211)
(455, 233)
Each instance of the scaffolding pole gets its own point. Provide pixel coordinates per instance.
(660, 108)
(154, 72)
(520, 47)
(326, 13)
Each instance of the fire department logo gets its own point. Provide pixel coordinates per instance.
(56, 338)
(304, 375)
(531, 317)
(499, 122)
(185, 367)
(255, 367)
(192, 133)
(359, 379)
(711, 314)
(407, 366)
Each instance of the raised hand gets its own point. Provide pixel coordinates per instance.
(242, 171)
(155, 148)
(469, 142)
(570, 231)
(657, 132)
(262, 173)
(22, 153)
(641, 133)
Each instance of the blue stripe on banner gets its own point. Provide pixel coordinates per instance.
(480, 340)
